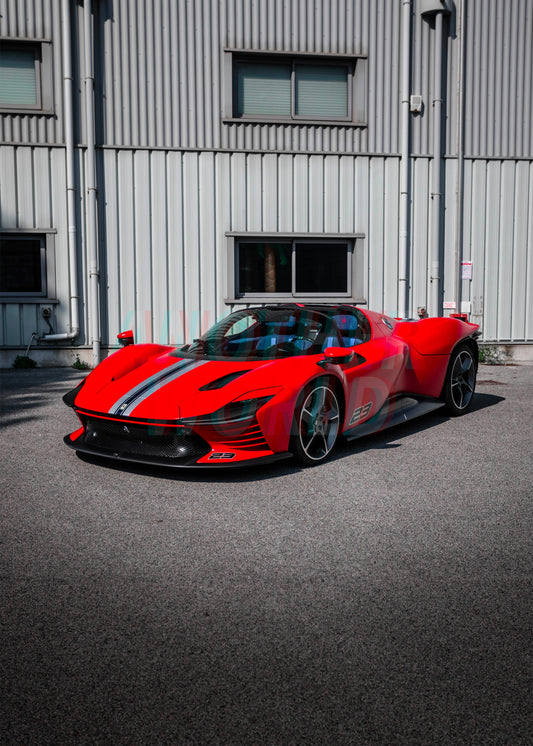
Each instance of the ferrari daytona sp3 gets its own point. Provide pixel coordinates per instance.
(267, 383)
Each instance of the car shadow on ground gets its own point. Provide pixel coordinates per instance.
(259, 472)
(25, 393)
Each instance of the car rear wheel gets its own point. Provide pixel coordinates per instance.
(460, 381)
(317, 421)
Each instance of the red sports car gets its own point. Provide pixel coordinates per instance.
(267, 383)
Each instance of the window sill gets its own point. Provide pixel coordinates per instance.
(40, 299)
(337, 300)
(28, 111)
(286, 122)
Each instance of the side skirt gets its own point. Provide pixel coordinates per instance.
(394, 412)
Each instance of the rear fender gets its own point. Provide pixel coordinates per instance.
(434, 336)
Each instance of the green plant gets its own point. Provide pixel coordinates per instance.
(80, 364)
(491, 354)
(23, 361)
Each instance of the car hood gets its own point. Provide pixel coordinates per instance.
(153, 383)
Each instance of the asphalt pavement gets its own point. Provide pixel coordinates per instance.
(381, 598)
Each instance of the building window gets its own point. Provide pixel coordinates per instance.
(22, 265)
(25, 76)
(277, 268)
(297, 88)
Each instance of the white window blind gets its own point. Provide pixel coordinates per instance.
(18, 85)
(263, 89)
(321, 91)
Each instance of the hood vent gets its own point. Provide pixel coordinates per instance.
(219, 383)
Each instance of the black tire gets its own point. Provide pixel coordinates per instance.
(317, 423)
(460, 382)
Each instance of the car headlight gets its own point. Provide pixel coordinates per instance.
(242, 408)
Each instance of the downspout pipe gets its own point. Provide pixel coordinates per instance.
(68, 82)
(403, 258)
(459, 208)
(436, 269)
(91, 230)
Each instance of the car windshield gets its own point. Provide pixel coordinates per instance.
(271, 333)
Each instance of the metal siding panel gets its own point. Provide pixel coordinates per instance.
(465, 251)
(316, 194)
(191, 237)
(207, 247)
(25, 185)
(390, 235)
(522, 220)
(165, 89)
(493, 216)
(238, 192)
(346, 194)
(41, 188)
(449, 270)
(270, 192)
(8, 192)
(376, 234)
(176, 273)
(222, 198)
(506, 249)
(301, 194)
(29, 321)
(254, 188)
(42, 21)
(529, 265)
(13, 336)
(111, 239)
(129, 313)
(331, 194)
(285, 193)
(498, 78)
(143, 252)
(420, 234)
(361, 213)
(159, 243)
(477, 237)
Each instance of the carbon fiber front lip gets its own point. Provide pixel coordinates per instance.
(82, 448)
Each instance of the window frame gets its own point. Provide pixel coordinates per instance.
(42, 49)
(354, 258)
(47, 257)
(356, 83)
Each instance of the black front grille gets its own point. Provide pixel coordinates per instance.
(151, 442)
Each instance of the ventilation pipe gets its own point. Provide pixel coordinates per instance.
(71, 185)
(91, 231)
(403, 259)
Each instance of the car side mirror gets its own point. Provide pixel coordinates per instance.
(126, 338)
(336, 356)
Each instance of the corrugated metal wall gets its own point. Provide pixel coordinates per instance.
(159, 72)
(165, 206)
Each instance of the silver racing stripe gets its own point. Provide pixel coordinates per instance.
(127, 403)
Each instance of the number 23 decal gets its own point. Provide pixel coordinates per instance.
(360, 413)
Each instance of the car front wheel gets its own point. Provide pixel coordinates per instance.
(317, 421)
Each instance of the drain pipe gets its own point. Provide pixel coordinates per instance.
(92, 246)
(459, 188)
(435, 278)
(71, 184)
(403, 258)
